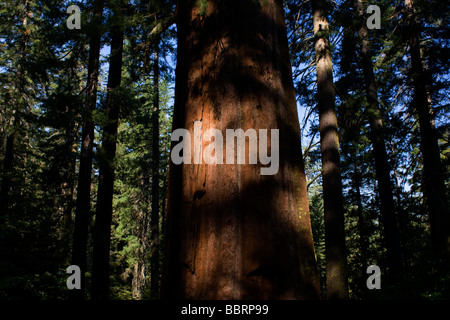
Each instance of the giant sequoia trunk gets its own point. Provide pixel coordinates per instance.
(103, 214)
(337, 283)
(83, 203)
(391, 233)
(433, 179)
(233, 233)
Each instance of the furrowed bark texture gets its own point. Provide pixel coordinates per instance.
(233, 233)
(337, 282)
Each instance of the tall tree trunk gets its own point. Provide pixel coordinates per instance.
(66, 201)
(71, 134)
(433, 184)
(154, 218)
(104, 210)
(233, 233)
(138, 283)
(363, 236)
(335, 251)
(83, 203)
(387, 207)
(8, 159)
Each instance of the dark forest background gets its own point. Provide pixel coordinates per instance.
(105, 94)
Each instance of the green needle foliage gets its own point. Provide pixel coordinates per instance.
(43, 75)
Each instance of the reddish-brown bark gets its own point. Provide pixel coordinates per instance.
(337, 283)
(233, 233)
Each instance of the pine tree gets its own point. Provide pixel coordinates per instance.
(233, 233)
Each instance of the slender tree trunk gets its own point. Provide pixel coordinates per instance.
(233, 233)
(66, 201)
(387, 207)
(104, 210)
(433, 184)
(154, 218)
(71, 133)
(69, 202)
(163, 215)
(83, 202)
(337, 281)
(163, 210)
(139, 282)
(363, 237)
(362, 227)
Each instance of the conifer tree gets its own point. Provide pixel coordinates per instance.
(233, 233)
(83, 202)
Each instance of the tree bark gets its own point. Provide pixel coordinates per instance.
(433, 183)
(83, 202)
(104, 210)
(335, 251)
(363, 236)
(233, 233)
(382, 171)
